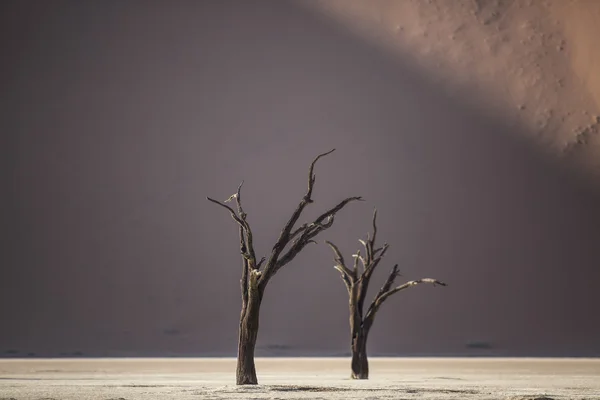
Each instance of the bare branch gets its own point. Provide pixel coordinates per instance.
(310, 232)
(301, 229)
(311, 175)
(246, 245)
(358, 257)
(368, 245)
(374, 262)
(370, 264)
(248, 248)
(339, 258)
(344, 278)
(355, 265)
(347, 275)
(249, 237)
(238, 199)
(377, 250)
(408, 284)
(236, 195)
(285, 235)
(390, 280)
(383, 296)
(385, 288)
(334, 210)
(235, 217)
(374, 226)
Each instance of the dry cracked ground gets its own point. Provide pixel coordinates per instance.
(300, 378)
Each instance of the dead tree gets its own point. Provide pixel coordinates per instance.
(357, 285)
(255, 276)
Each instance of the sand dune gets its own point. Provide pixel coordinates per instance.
(535, 61)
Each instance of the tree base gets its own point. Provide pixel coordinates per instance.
(246, 380)
(360, 362)
(360, 376)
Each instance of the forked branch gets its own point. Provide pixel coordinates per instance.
(323, 222)
(296, 239)
(246, 232)
(242, 215)
(285, 233)
(347, 276)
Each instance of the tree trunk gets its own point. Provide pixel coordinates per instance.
(360, 363)
(246, 371)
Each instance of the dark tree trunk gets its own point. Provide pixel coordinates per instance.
(360, 363)
(360, 331)
(246, 371)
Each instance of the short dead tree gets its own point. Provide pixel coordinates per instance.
(357, 285)
(256, 274)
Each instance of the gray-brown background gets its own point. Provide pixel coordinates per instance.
(118, 118)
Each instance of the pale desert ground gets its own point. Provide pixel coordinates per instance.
(301, 378)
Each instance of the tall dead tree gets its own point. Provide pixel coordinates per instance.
(357, 285)
(255, 276)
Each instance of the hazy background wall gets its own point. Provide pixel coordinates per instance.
(120, 117)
